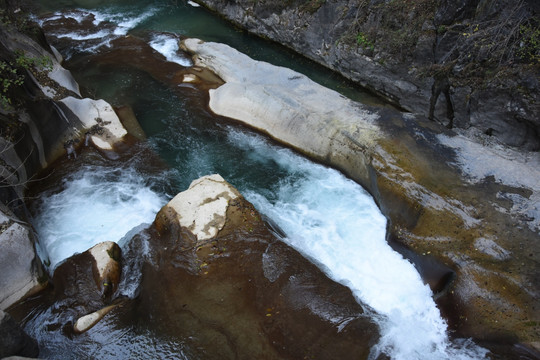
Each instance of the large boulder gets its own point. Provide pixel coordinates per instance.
(445, 196)
(19, 271)
(217, 285)
(238, 291)
(85, 284)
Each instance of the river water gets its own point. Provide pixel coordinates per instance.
(325, 216)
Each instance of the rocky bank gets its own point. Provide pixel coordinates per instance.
(472, 63)
(448, 200)
(42, 117)
(428, 183)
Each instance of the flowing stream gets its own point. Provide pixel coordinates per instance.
(328, 218)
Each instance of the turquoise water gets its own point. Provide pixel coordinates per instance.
(180, 18)
(327, 217)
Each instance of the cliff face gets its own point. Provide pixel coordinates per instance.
(472, 64)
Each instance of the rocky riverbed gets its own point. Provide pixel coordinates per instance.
(438, 204)
(456, 209)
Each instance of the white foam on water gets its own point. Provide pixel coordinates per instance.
(124, 20)
(335, 222)
(82, 37)
(167, 45)
(109, 25)
(96, 204)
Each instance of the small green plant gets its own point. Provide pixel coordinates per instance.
(441, 29)
(529, 49)
(363, 41)
(8, 78)
(12, 73)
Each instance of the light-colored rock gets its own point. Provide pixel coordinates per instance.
(432, 194)
(86, 322)
(315, 119)
(98, 112)
(64, 78)
(130, 122)
(202, 208)
(106, 256)
(18, 277)
(189, 78)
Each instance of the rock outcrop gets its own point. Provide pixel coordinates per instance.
(19, 266)
(434, 207)
(470, 62)
(42, 117)
(239, 291)
(218, 285)
(85, 283)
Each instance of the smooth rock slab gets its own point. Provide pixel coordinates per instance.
(283, 103)
(18, 276)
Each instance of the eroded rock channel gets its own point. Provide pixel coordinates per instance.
(229, 287)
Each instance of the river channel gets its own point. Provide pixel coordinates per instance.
(328, 218)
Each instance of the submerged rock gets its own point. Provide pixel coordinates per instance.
(415, 176)
(86, 322)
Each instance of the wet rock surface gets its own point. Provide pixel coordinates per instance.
(434, 209)
(249, 294)
(20, 272)
(448, 238)
(239, 294)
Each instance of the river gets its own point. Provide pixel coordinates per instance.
(328, 218)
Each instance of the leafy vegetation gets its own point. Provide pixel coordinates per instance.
(390, 28)
(529, 49)
(363, 41)
(12, 73)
